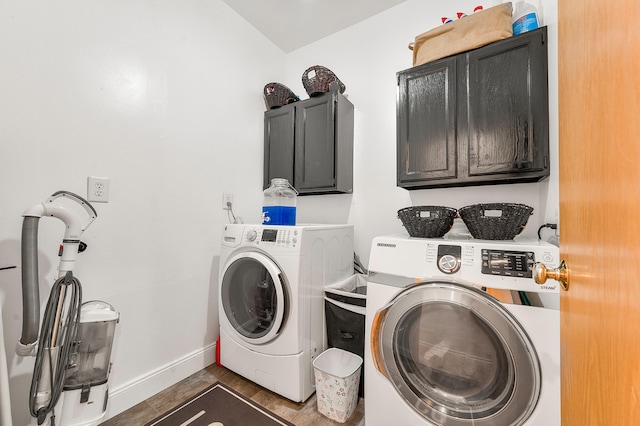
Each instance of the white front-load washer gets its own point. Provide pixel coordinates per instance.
(270, 299)
(441, 350)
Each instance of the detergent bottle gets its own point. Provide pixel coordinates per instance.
(279, 205)
(525, 18)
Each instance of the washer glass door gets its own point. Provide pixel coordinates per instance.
(254, 297)
(457, 356)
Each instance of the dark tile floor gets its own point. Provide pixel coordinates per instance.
(300, 414)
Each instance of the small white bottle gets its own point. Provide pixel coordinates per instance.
(525, 18)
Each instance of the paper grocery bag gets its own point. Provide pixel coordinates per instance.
(468, 33)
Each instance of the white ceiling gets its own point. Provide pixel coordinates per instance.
(291, 24)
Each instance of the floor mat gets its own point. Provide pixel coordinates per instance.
(219, 405)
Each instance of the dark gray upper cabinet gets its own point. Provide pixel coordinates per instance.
(477, 118)
(279, 138)
(310, 143)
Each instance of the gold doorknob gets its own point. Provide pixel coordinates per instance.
(560, 274)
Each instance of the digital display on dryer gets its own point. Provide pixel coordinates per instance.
(508, 263)
(269, 235)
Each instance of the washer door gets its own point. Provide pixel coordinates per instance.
(253, 297)
(457, 356)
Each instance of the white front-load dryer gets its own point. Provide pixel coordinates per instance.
(270, 298)
(440, 350)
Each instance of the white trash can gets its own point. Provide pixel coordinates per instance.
(337, 374)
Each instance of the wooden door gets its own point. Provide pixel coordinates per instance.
(599, 108)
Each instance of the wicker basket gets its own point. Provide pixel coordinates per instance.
(317, 79)
(277, 95)
(427, 221)
(495, 221)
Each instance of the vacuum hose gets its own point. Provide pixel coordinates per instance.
(30, 291)
(30, 282)
(55, 345)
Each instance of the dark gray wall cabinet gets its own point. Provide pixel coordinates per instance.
(310, 143)
(476, 118)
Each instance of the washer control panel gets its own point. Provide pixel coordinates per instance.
(284, 238)
(274, 237)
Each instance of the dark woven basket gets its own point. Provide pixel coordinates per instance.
(427, 221)
(317, 79)
(495, 221)
(277, 95)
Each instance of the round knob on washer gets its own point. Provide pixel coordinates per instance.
(252, 235)
(449, 264)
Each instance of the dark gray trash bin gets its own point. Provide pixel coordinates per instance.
(345, 303)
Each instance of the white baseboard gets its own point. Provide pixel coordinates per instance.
(137, 390)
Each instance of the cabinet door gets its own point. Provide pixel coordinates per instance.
(315, 149)
(279, 126)
(426, 123)
(507, 109)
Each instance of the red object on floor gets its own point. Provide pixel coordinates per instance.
(218, 353)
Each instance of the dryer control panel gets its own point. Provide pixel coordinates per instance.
(496, 264)
(449, 258)
(508, 263)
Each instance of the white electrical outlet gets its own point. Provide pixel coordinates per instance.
(98, 189)
(227, 201)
